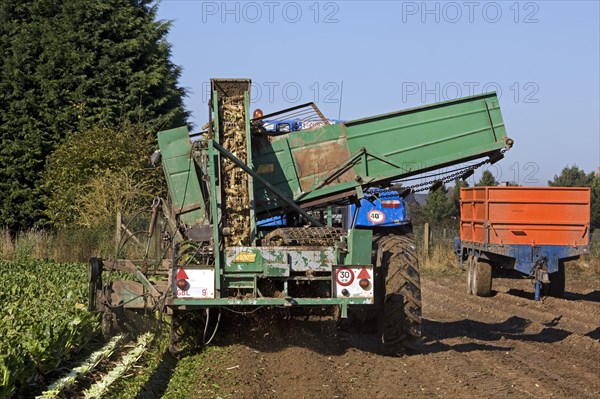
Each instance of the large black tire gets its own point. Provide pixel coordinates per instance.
(94, 282)
(556, 287)
(398, 294)
(481, 278)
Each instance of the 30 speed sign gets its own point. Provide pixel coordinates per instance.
(344, 276)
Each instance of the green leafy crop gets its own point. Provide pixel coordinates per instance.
(43, 319)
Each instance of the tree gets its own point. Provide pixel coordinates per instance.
(113, 192)
(572, 176)
(438, 209)
(415, 213)
(458, 184)
(595, 213)
(95, 170)
(67, 66)
(487, 179)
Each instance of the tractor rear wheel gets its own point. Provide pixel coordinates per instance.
(398, 294)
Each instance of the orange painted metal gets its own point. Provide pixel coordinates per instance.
(525, 215)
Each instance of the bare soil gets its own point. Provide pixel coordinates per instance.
(499, 347)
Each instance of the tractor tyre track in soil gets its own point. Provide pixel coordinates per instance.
(498, 347)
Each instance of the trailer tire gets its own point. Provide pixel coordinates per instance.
(398, 294)
(481, 279)
(556, 287)
(470, 266)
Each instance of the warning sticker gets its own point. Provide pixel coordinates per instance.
(364, 273)
(376, 216)
(181, 274)
(195, 283)
(354, 281)
(344, 277)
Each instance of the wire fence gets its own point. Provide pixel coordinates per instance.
(437, 235)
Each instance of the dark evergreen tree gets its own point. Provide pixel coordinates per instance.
(487, 179)
(595, 216)
(438, 209)
(68, 65)
(458, 184)
(572, 176)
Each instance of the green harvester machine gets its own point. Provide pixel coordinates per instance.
(220, 249)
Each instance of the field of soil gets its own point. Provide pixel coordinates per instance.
(499, 347)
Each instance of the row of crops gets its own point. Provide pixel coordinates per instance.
(43, 322)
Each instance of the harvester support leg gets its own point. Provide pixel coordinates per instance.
(344, 310)
(538, 289)
(175, 333)
(107, 325)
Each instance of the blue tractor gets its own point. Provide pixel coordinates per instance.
(381, 210)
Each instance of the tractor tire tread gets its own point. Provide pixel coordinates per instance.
(400, 313)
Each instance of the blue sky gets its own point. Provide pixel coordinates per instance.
(359, 58)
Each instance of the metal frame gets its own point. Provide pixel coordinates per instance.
(373, 165)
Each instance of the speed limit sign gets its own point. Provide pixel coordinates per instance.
(376, 216)
(344, 276)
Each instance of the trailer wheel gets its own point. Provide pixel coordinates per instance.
(556, 287)
(398, 292)
(470, 266)
(481, 279)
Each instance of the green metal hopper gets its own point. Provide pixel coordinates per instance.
(331, 162)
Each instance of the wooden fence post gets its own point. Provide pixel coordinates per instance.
(426, 238)
(118, 232)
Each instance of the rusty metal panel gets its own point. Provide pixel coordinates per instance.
(315, 161)
(130, 293)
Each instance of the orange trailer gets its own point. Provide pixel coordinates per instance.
(533, 230)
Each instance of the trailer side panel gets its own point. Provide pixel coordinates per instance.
(525, 215)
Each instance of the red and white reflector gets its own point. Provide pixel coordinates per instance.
(390, 203)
